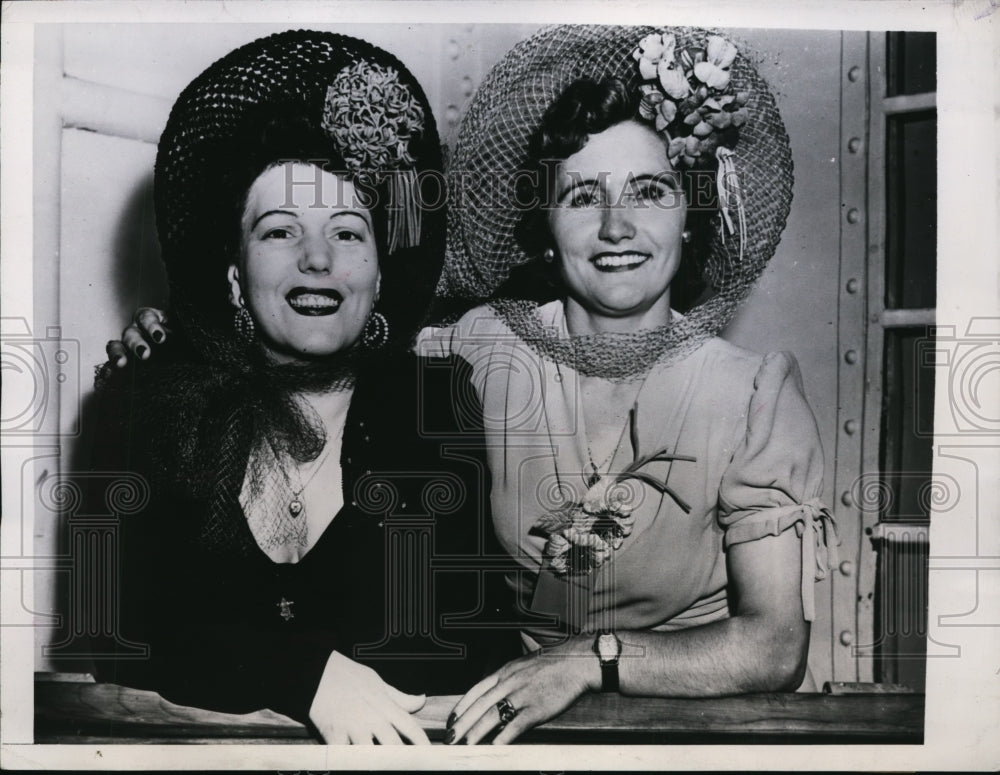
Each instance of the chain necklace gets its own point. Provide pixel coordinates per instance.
(595, 475)
(296, 506)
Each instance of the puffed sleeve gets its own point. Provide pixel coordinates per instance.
(775, 478)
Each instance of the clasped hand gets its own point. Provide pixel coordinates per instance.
(353, 705)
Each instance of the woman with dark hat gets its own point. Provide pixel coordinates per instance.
(298, 498)
(615, 193)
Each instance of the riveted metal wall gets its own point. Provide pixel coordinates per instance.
(852, 601)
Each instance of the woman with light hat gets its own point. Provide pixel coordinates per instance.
(615, 192)
(290, 443)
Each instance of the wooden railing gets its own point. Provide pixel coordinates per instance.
(73, 709)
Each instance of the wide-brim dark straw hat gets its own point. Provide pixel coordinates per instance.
(285, 73)
(493, 145)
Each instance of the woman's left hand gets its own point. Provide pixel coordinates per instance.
(539, 686)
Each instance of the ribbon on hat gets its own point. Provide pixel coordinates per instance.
(730, 194)
(404, 214)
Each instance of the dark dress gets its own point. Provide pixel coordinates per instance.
(396, 581)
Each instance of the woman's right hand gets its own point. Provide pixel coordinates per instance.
(148, 326)
(353, 705)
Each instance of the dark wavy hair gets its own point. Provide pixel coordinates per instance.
(587, 107)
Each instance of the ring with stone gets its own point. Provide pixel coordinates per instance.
(507, 711)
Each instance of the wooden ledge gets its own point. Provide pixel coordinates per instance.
(77, 711)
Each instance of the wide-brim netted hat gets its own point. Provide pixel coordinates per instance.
(291, 73)
(493, 146)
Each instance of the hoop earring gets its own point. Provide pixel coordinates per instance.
(376, 331)
(686, 236)
(243, 323)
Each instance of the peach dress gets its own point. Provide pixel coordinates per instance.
(758, 471)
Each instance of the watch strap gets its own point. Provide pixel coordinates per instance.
(609, 676)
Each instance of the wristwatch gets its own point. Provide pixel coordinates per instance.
(608, 648)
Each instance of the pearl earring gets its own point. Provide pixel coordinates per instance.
(549, 255)
(686, 236)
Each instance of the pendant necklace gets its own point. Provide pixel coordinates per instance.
(596, 475)
(296, 506)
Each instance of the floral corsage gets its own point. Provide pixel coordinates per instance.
(687, 95)
(582, 535)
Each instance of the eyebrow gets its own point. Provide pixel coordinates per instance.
(587, 184)
(666, 177)
(294, 214)
(262, 216)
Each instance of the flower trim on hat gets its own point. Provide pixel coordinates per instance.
(373, 117)
(686, 95)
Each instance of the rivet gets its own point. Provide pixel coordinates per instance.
(402, 505)
(853, 285)
(454, 49)
(854, 73)
(368, 472)
(368, 438)
(558, 377)
(851, 427)
(847, 567)
(854, 144)
(846, 499)
(847, 637)
(451, 114)
(853, 215)
(851, 356)
(468, 86)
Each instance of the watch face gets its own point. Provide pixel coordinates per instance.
(608, 646)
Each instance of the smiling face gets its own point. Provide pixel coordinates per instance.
(308, 274)
(617, 228)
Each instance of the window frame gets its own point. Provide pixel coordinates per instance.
(880, 322)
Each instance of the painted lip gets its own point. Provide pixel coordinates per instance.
(314, 302)
(625, 261)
